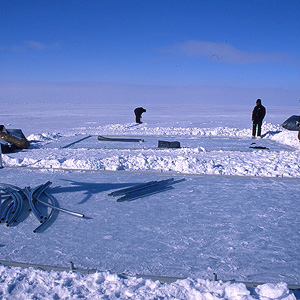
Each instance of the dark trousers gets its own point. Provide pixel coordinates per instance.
(258, 125)
(138, 118)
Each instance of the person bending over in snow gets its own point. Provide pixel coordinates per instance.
(258, 115)
(138, 114)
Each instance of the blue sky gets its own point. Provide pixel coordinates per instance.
(148, 51)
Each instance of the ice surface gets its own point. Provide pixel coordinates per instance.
(151, 142)
(237, 227)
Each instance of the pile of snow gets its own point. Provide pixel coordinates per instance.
(44, 137)
(17, 283)
(187, 160)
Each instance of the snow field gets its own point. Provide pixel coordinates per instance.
(236, 214)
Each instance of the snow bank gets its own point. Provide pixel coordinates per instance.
(17, 283)
(269, 130)
(188, 160)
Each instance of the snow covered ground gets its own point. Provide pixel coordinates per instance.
(236, 213)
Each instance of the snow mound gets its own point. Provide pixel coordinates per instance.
(186, 160)
(17, 283)
(44, 137)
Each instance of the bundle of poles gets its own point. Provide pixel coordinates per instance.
(12, 204)
(145, 189)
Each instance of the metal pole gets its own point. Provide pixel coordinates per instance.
(1, 165)
(71, 266)
(61, 209)
(215, 277)
(78, 141)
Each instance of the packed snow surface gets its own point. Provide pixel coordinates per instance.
(236, 214)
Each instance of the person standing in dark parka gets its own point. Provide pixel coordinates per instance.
(138, 114)
(258, 115)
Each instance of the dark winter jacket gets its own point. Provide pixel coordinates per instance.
(258, 113)
(139, 110)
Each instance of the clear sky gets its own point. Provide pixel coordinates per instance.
(142, 51)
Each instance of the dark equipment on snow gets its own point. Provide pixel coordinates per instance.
(292, 123)
(102, 138)
(259, 147)
(6, 147)
(14, 138)
(165, 144)
(254, 146)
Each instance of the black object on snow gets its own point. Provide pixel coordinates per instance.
(165, 144)
(7, 147)
(105, 139)
(259, 147)
(14, 137)
(291, 123)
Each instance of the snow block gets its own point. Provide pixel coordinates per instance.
(165, 144)
(291, 123)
